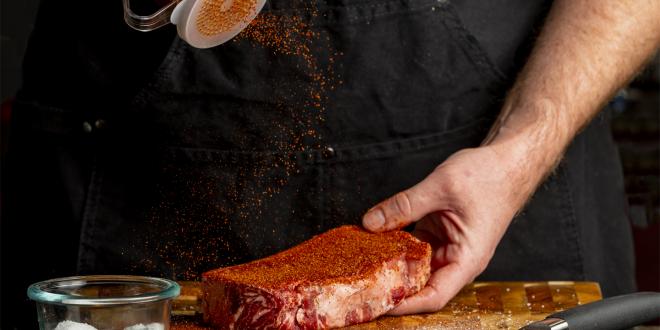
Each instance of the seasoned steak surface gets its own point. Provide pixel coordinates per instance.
(344, 276)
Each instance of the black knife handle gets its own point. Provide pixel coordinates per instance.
(614, 313)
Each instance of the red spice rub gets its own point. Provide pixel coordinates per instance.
(218, 16)
(341, 254)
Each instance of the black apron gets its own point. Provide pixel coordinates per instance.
(239, 151)
(234, 153)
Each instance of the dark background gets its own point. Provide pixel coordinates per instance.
(17, 19)
(636, 128)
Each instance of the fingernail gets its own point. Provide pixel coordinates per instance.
(374, 219)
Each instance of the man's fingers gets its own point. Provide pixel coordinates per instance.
(443, 285)
(400, 210)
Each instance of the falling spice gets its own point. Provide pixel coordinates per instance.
(304, 100)
(207, 210)
(293, 36)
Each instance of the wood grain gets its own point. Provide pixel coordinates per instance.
(481, 305)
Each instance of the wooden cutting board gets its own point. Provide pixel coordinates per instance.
(481, 305)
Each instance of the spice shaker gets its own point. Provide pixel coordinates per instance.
(201, 23)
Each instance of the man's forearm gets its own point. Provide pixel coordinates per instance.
(585, 52)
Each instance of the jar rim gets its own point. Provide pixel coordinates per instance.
(44, 291)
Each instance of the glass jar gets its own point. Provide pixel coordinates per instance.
(112, 302)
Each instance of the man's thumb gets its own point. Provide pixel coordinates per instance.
(399, 210)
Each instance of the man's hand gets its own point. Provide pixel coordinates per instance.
(585, 52)
(463, 208)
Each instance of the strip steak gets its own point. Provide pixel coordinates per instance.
(342, 277)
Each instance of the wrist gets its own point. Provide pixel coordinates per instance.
(530, 138)
(537, 131)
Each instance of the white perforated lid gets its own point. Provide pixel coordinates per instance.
(209, 23)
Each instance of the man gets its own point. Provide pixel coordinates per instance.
(585, 52)
(230, 154)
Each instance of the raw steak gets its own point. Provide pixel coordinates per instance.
(344, 276)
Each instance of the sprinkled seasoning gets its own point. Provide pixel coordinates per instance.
(293, 36)
(206, 214)
(338, 255)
